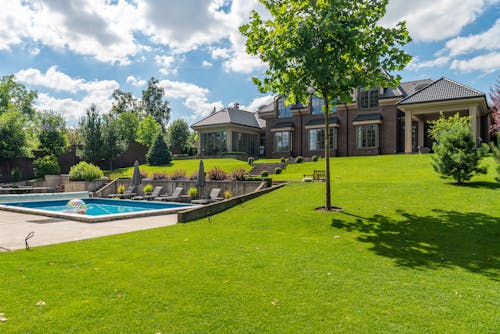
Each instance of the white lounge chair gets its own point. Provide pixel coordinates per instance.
(213, 197)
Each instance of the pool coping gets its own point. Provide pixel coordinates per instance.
(95, 219)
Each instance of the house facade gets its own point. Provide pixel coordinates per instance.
(377, 121)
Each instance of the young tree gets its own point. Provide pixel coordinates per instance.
(495, 111)
(456, 153)
(113, 145)
(124, 102)
(329, 47)
(52, 133)
(178, 134)
(154, 104)
(128, 123)
(12, 135)
(15, 96)
(159, 153)
(147, 130)
(91, 136)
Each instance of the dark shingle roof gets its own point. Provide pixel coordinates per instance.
(283, 125)
(441, 90)
(231, 116)
(320, 121)
(266, 108)
(368, 117)
(411, 87)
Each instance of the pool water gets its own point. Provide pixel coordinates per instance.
(100, 207)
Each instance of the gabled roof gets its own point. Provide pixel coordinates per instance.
(231, 116)
(411, 87)
(443, 89)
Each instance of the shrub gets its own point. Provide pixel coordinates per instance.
(148, 188)
(194, 177)
(250, 161)
(158, 153)
(233, 153)
(193, 192)
(227, 194)
(264, 174)
(46, 165)
(277, 170)
(159, 176)
(16, 174)
(283, 160)
(179, 174)
(314, 158)
(299, 160)
(121, 189)
(496, 154)
(456, 154)
(84, 171)
(238, 174)
(217, 174)
(267, 179)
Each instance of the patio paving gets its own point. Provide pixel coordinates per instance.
(14, 227)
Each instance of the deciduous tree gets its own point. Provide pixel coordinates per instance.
(331, 46)
(154, 103)
(178, 134)
(52, 133)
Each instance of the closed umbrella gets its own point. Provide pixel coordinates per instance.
(200, 180)
(136, 176)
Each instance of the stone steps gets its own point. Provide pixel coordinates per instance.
(258, 168)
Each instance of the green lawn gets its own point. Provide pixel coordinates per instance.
(409, 253)
(189, 166)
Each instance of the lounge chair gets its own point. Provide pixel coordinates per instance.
(155, 193)
(127, 194)
(175, 196)
(213, 197)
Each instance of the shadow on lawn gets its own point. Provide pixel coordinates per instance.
(483, 184)
(446, 239)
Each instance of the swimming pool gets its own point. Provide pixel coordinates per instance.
(98, 209)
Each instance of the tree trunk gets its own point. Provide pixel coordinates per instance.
(328, 204)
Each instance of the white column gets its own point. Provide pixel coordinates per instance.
(408, 143)
(420, 132)
(229, 140)
(474, 114)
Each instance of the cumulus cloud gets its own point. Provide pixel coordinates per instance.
(135, 81)
(416, 64)
(194, 97)
(206, 64)
(487, 63)
(488, 40)
(258, 102)
(165, 63)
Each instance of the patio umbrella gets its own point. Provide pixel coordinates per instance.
(200, 180)
(136, 176)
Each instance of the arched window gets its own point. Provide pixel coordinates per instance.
(284, 110)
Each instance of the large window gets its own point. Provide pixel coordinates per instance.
(283, 141)
(284, 111)
(368, 98)
(316, 105)
(244, 142)
(317, 139)
(367, 136)
(213, 142)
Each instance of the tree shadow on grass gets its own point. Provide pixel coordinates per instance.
(481, 184)
(445, 239)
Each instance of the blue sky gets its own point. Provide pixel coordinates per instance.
(77, 52)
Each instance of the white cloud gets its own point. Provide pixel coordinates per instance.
(165, 63)
(488, 40)
(194, 97)
(415, 64)
(485, 63)
(206, 64)
(135, 81)
(222, 53)
(435, 20)
(258, 102)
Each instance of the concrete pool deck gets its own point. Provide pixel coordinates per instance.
(14, 227)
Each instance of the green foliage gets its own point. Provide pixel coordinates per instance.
(52, 133)
(495, 149)
(250, 161)
(264, 174)
(299, 160)
(456, 154)
(444, 124)
(46, 165)
(282, 160)
(90, 128)
(84, 171)
(217, 174)
(121, 189)
(147, 130)
(268, 180)
(128, 124)
(227, 194)
(12, 135)
(113, 145)
(178, 134)
(124, 102)
(15, 97)
(314, 158)
(277, 170)
(154, 104)
(332, 48)
(16, 174)
(158, 153)
(148, 188)
(193, 192)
